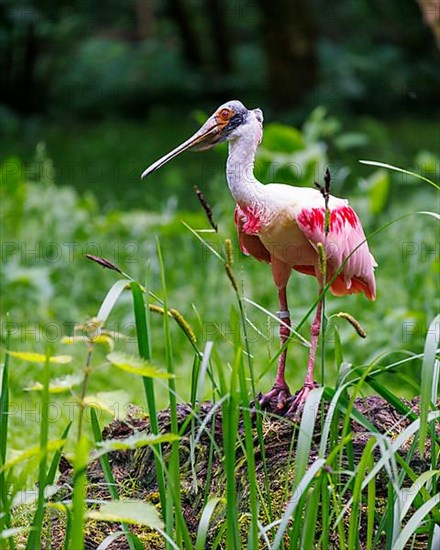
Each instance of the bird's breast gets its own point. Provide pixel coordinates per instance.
(282, 237)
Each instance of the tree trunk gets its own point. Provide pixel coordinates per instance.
(183, 15)
(289, 36)
(221, 36)
(145, 18)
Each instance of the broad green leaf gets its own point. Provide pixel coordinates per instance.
(32, 452)
(351, 140)
(103, 339)
(282, 139)
(111, 402)
(379, 190)
(39, 357)
(57, 385)
(136, 365)
(135, 512)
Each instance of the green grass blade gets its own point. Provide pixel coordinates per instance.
(401, 170)
(371, 504)
(353, 530)
(34, 540)
(411, 493)
(304, 444)
(230, 432)
(298, 492)
(144, 349)
(4, 409)
(408, 432)
(391, 398)
(310, 411)
(143, 340)
(204, 367)
(110, 300)
(173, 494)
(325, 512)
(415, 521)
(5, 520)
(250, 456)
(57, 457)
(202, 531)
(133, 542)
(79, 491)
(427, 390)
(310, 519)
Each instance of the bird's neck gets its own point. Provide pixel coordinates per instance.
(244, 186)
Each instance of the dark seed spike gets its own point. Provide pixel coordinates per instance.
(104, 263)
(327, 180)
(206, 207)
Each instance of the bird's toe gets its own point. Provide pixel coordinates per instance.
(275, 399)
(299, 400)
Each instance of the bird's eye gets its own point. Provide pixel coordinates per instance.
(225, 114)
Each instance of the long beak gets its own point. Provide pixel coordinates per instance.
(209, 135)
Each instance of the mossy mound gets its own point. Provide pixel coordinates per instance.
(202, 468)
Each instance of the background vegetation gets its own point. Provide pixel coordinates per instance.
(90, 94)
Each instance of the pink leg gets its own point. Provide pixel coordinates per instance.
(280, 389)
(309, 383)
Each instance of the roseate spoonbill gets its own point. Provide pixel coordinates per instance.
(283, 226)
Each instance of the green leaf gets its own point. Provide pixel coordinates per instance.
(109, 402)
(32, 452)
(135, 512)
(39, 357)
(282, 139)
(58, 385)
(379, 190)
(136, 365)
(351, 140)
(427, 379)
(135, 441)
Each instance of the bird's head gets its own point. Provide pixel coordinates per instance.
(229, 122)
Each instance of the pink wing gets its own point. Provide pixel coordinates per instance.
(346, 234)
(249, 244)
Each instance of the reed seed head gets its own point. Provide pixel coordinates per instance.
(353, 322)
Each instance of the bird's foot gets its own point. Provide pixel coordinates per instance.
(299, 399)
(276, 398)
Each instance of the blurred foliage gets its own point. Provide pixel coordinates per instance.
(48, 285)
(94, 59)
